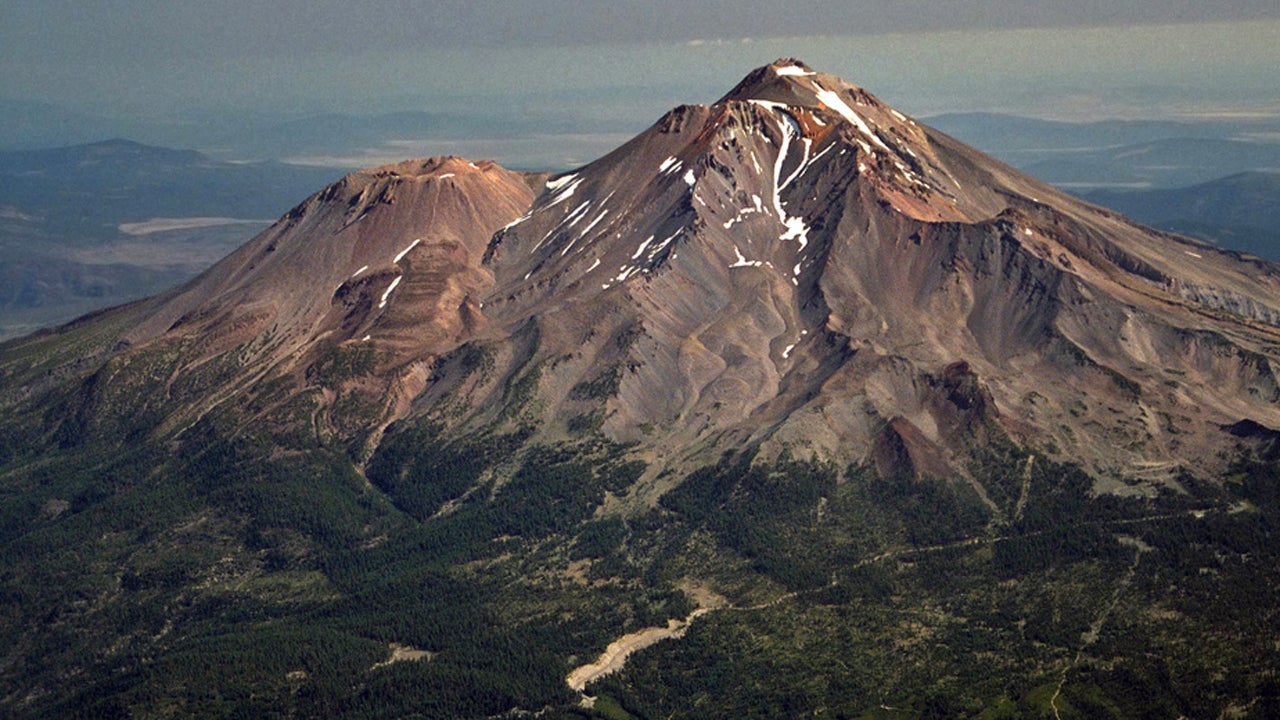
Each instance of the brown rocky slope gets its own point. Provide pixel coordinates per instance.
(796, 268)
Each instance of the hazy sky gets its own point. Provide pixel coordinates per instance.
(212, 52)
(614, 65)
(70, 31)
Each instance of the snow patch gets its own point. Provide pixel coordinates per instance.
(796, 228)
(662, 245)
(787, 353)
(643, 245)
(814, 159)
(515, 222)
(804, 162)
(627, 271)
(383, 302)
(585, 230)
(561, 181)
(689, 178)
(362, 269)
(793, 70)
(833, 101)
(743, 261)
(405, 251)
(578, 213)
(570, 219)
(564, 191)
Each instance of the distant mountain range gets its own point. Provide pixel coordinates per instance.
(789, 406)
(308, 138)
(1214, 180)
(1240, 212)
(1123, 154)
(92, 188)
(62, 249)
(342, 134)
(33, 125)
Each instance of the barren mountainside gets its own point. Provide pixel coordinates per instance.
(797, 268)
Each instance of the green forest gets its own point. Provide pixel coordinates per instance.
(225, 580)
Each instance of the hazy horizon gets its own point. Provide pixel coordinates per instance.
(150, 73)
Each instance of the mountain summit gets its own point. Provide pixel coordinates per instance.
(800, 267)
(757, 351)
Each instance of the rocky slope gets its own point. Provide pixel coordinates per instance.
(802, 267)
(385, 259)
(797, 267)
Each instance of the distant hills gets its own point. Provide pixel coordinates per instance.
(62, 250)
(1214, 180)
(309, 137)
(345, 134)
(1173, 162)
(1240, 212)
(1119, 153)
(92, 188)
(34, 125)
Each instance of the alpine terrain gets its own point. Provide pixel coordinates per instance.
(789, 406)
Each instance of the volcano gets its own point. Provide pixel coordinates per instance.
(752, 354)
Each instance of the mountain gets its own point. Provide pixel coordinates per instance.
(32, 124)
(858, 420)
(1173, 162)
(1120, 154)
(116, 181)
(1013, 138)
(1240, 211)
(343, 135)
(89, 226)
